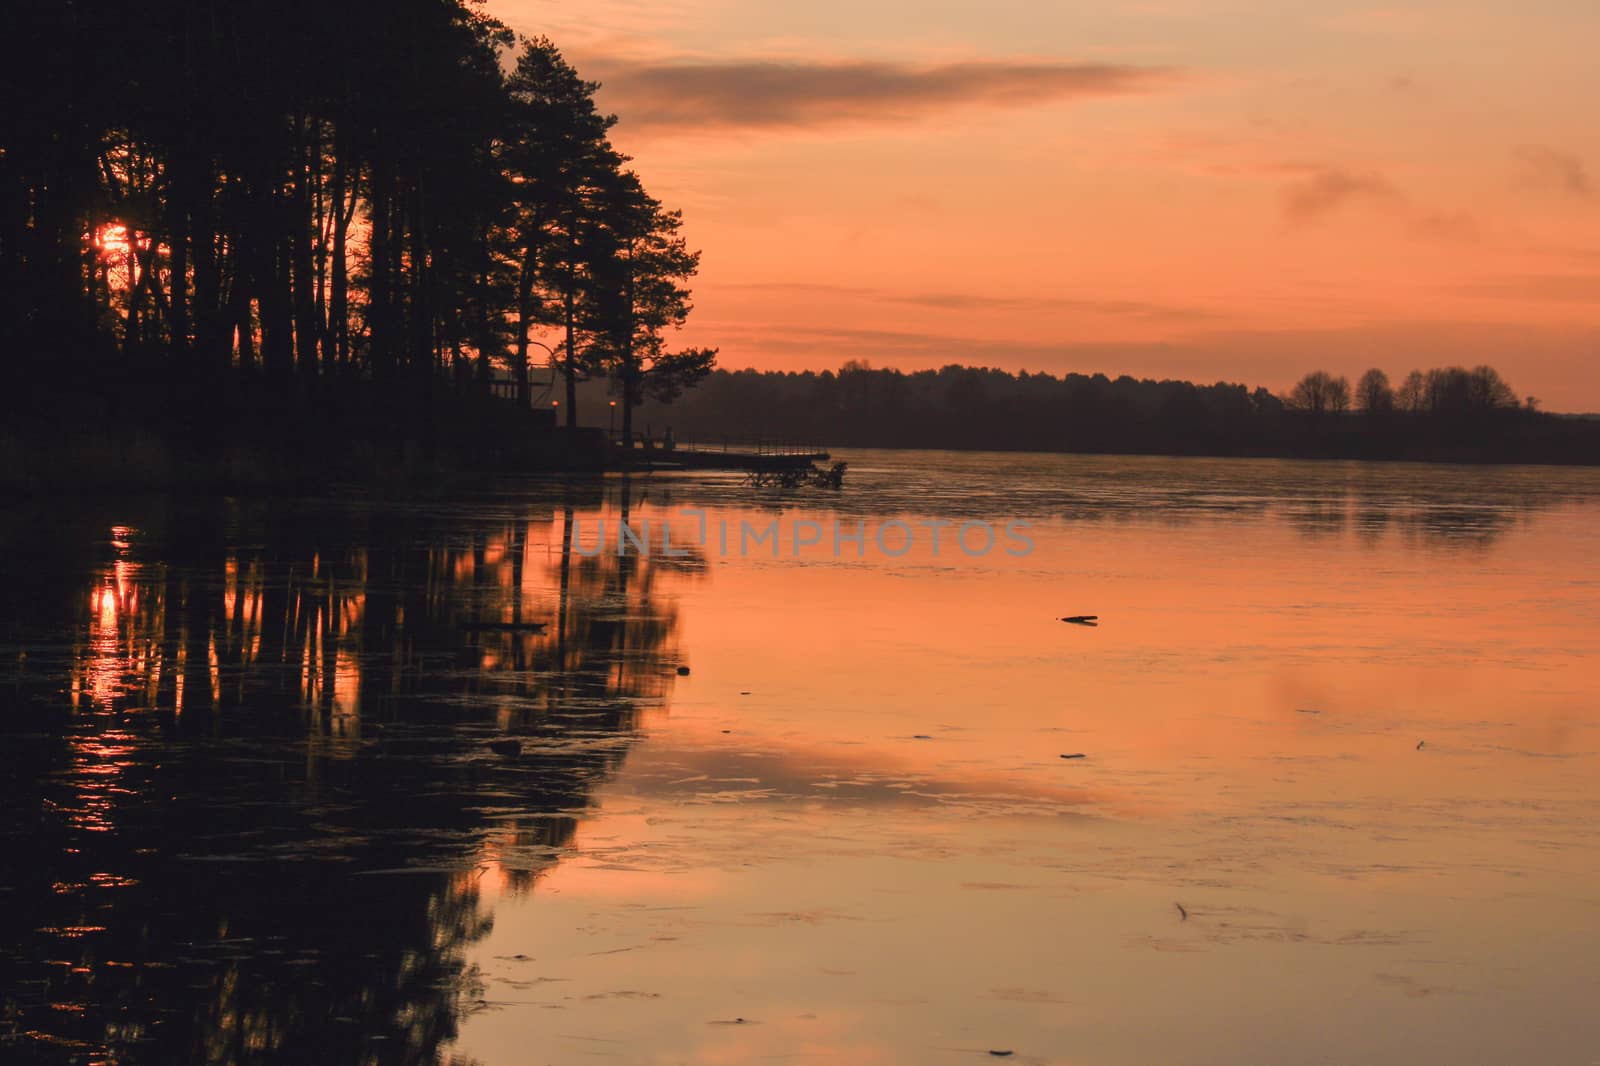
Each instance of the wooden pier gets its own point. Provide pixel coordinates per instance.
(751, 456)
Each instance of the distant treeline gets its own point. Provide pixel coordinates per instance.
(318, 206)
(1447, 413)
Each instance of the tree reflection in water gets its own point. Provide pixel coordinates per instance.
(248, 794)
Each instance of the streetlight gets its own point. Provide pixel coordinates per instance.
(613, 430)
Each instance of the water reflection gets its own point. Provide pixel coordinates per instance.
(250, 813)
(1443, 505)
(249, 803)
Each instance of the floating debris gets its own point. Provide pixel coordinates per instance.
(1001, 1054)
(506, 747)
(1420, 743)
(1183, 915)
(920, 736)
(745, 693)
(1306, 710)
(683, 671)
(1082, 619)
(1075, 755)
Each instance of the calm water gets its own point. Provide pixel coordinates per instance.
(1340, 773)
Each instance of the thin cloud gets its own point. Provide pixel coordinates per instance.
(808, 94)
(956, 301)
(1329, 189)
(1319, 191)
(1121, 308)
(1553, 171)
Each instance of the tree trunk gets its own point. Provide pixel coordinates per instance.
(300, 236)
(379, 300)
(420, 346)
(130, 325)
(519, 364)
(572, 360)
(277, 316)
(339, 282)
(178, 312)
(244, 322)
(212, 355)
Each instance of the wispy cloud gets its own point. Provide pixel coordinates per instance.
(1121, 308)
(958, 301)
(791, 94)
(1330, 188)
(1316, 191)
(1554, 171)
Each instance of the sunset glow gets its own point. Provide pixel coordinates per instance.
(717, 532)
(1207, 190)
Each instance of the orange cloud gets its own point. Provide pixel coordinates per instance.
(1331, 188)
(1552, 171)
(790, 94)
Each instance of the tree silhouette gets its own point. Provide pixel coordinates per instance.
(642, 293)
(1412, 394)
(1455, 392)
(984, 408)
(556, 157)
(1320, 393)
(1373, 394)
(344, 207)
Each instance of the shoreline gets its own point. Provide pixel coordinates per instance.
(140, 460)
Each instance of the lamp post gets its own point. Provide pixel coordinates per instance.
(613, 430)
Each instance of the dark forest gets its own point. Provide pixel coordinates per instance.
(319, 224)
(1448, 413)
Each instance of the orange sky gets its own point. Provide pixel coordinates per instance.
(1234, 189)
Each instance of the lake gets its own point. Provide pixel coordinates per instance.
(361, 780)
